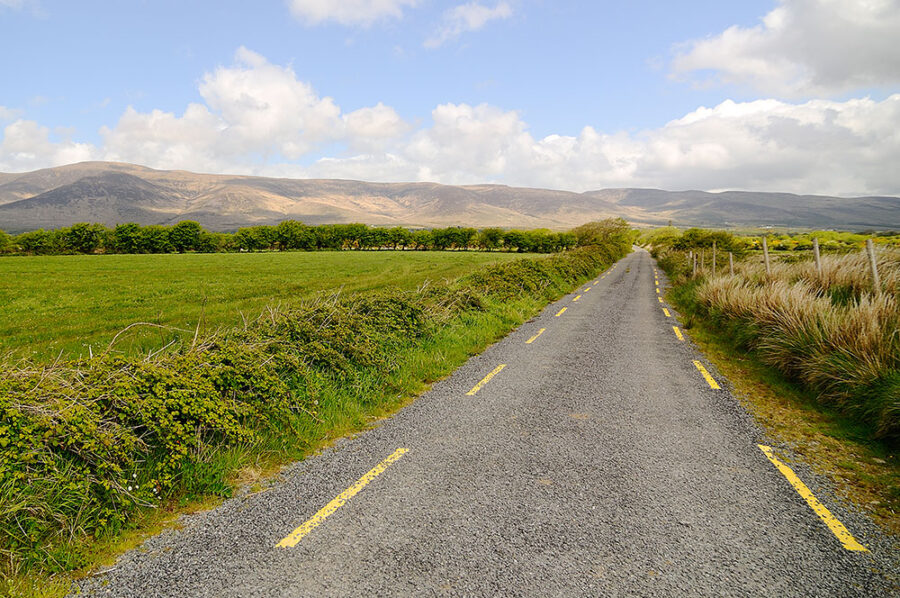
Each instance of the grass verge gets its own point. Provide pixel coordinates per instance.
(97, 452)
(866, 471)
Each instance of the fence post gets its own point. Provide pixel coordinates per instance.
(703, 261)
(817, 256)
(694, 274)
(876, 281)
(714, 258)
(766, 254)
(730, 264)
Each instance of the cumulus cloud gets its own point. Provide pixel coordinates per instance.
(802, 48)
(348, 12)
(260, 118)
(26, 145)
(252, 111)
(466, 17)
(819, 146)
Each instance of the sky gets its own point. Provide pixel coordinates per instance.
(800, 96)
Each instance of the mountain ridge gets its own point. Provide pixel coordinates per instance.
(115, 192)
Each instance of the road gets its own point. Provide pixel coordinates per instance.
(598, 461)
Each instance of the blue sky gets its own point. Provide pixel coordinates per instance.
(796, 95)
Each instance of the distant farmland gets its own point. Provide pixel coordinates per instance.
(74, 304)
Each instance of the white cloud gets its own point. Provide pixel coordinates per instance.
(26, 145)
(803, 48)
(8, 113)
(252, 110)
(466, 17)
(259, 118)
(814, 147)
(348, 12)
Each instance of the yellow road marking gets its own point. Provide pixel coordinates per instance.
(576, 298)
(666, 311)
(836, 527)
(588, 289)
(660, 299)
(534, 338)
(657, 290)
(656, 282)
(678, 333)
(339, 500)
(485, 380)
(709, 379)
(560, 312)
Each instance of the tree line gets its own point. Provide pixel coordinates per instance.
(190, 236)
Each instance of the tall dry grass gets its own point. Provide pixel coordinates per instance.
(834, 332)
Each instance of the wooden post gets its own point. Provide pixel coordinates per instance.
(714, 258)
(703, 261)
(876, 281)
(766, 254)
(694, 274)
(730, 263)
(817, 256)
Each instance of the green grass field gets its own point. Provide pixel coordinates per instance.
(73, 304)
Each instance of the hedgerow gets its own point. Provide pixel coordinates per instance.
(84, 445)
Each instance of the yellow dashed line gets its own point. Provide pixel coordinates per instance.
(660, 299)
(657, 290)
(534, 338)
(666, 311)
(341, 498)
(588, 289)
(577, 297)
(678, 333)
(836, 527)
(561, 312)
(709, 379)
(485, 380)
(656, 282)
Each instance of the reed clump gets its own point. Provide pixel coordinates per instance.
(833, 331)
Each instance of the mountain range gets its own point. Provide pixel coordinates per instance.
(112, 193)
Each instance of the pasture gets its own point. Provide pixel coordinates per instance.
(72, 305)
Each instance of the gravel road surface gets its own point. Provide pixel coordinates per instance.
(597, 462)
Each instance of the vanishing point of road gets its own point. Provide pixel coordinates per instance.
(592, 452)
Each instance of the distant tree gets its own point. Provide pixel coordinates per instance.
(155, 239)
(82, 237)
(6, 243)
(489, 238)
(126, 238)
(422, 239)
(465, 237)
(291, 234)
(185, 236)
(36, 242)
(399, 237)
(611, 230)
(255, 238)
(327, 236)
(515, 239)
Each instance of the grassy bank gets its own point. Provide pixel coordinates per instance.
(87, 448)
(75, 304)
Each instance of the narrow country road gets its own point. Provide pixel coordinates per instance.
(598, 461)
